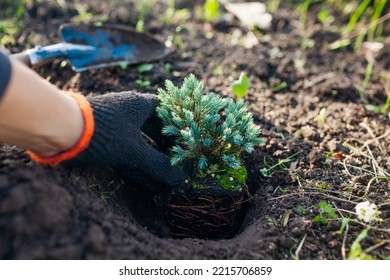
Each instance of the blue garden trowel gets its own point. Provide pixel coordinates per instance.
(91, 47)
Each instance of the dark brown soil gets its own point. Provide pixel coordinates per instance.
(84, 213)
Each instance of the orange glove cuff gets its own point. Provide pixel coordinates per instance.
(82, 144)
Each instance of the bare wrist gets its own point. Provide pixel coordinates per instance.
(64, 133)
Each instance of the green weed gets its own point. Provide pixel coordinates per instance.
(273, 5)
(144, 83)
(173, 15)
(365, 23)
(240, 87)
(8, 30)
(15, 9)
(218, 70)
(367, 77)
(145, 67)
(344, 223)
(279, 87)
(144, 8)
(321, 117)
(168, 68)
(103, 194)
(175, 39)
(268, 170)
(325, 17)
(301, 210)
(356, 252)
(384, 108)
(211, 10)
(326, 213)
(303, 18)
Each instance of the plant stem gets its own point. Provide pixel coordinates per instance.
(356, 15)
(367, 78)
(378, 8)
(302, 19)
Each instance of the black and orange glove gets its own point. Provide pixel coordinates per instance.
(113, 136)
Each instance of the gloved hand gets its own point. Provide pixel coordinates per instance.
(118, 141)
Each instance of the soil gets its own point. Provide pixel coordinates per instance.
(89, 213)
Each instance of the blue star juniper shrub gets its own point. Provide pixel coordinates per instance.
(210, 132)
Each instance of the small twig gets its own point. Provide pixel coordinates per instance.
(353, 166)
(336, 192)
(370, 156)
(371, 227)
(296, 255)
(376, 246)
(344, 255)
(356, 151)
(383, 204)
(347, 211)
(376, 166)
(345, 232)
(370, 183)
(369, 130)
(368, 142)
(338, 209)
(312, 193)
(318, 79)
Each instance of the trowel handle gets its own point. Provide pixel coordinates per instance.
(39, 56)
(23, 57)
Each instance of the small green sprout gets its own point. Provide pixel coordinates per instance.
(123, 65)
(367, 77)
(8, 30)
(342, 43)
(145, 67)
(83, 15)
(279, 87)
(144, 83)
(301, 210)
(211, 10)
(240, 87)
(320, 118)
(275, 53)
(382, 109)
(356, 252)
(325, 18)
(144, 8)
(344, 223)
(168, 68)
(218, 70)
(175, 38)
(326, 213)
(173, 15)
(267, 170)
(303, 20)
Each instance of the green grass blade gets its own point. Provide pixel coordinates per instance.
(356, 15)
(378, 9)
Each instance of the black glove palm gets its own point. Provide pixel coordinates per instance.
(118, 141)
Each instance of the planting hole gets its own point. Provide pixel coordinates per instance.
(204, 214)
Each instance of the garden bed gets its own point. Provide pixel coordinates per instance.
(333, 157)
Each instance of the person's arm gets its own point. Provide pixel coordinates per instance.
(34, 114)
(104, 130)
